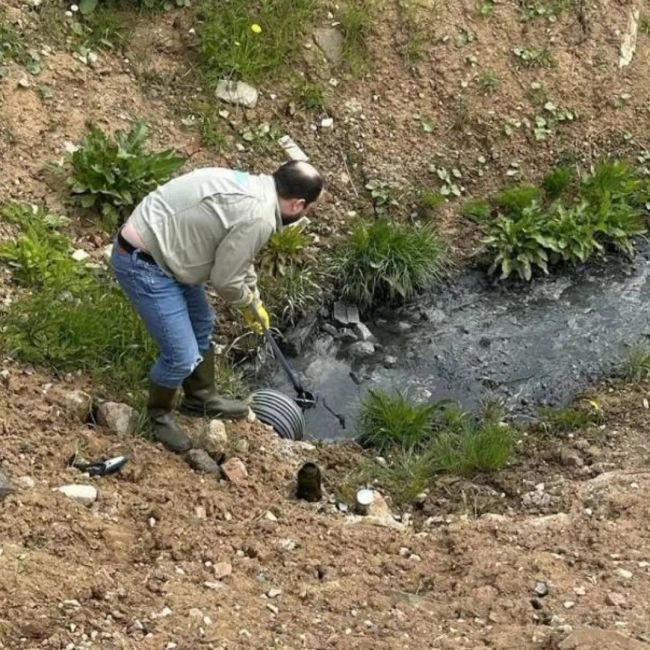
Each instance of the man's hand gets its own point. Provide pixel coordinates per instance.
(256, 317)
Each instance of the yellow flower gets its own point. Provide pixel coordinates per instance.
(255, 28)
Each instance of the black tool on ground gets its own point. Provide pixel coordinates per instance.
(99, 468)
(304, 398)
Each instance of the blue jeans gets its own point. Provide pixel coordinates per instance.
(177, 316)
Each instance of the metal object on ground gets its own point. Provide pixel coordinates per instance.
(100, 468)
(309, 483)
(279, 411)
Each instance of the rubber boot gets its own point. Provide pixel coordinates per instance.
(160, 414)
(201, 397)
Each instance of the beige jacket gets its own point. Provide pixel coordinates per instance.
(210, 224)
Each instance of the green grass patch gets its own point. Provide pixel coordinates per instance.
(565, 420)
(356, 18)
(109, 176)
(72, 317)
(421, 441)
(476, 210)
(636, 366)
(384, 261)
(309, 96)
(535, 228)
(254, 41)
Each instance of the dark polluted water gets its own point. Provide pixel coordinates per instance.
(474, 340)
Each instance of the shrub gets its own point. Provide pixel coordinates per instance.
(389, 420)
(557, 181)
(113, 176)
(607, 212)
(387, 261)
(289, 275)
(231, 48)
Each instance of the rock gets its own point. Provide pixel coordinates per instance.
(390, 361)
(79, 255)
(222, 570)
(400, 327)
(346, 335)
(363, 332)
(107, 252)
(295, 340)
(327, 123)
(214, 439)
(237, 92)
(200, 460)
(86, 495)
(274, 593)
(293, 151)
(346, 314)
(330, 41)
(118, 417)
(77, 403)
(242, 446)
(26, 482)
(361, 350)
(614, 599)
(624, 573)
(379, 507)
(541, 589)
(570, 458)
(235, 471)
(596, 639)
(559, 520)
(6, 487)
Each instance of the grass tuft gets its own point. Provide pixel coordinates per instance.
(387, 261)
(636, 366)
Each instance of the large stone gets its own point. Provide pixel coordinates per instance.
(363, 333)
(628, 44)
(235, 471)
(237, 92)
(86, 495)
(379, 507)
(346, 314)
(296, 338)
(6, 487)
(116, 416)
(200, 460)
(330, 41)
(361, 350)
(588, 638)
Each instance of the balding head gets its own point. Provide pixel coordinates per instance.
(298, 179)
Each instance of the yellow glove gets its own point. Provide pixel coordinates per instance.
(256, 317)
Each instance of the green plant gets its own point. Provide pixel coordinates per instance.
(557, 181)
(512, 201)
(484, 8)
(285, 248)
(565, 420)
(356, 18)
(13, 48)
(382, 195)
(387, 261)
(112, 176)
(644, 24)
(488, 82)
(253, 41)
(532, 57)
(415, 35)
(428, 202)
(309, 96)
(636, 366)
(289, 275)
(476, 210)
(389, 420)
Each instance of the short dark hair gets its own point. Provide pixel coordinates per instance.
(297, 179)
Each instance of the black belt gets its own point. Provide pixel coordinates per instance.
(129, 248)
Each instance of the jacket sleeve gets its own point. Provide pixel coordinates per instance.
(231, 275)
